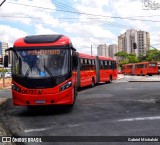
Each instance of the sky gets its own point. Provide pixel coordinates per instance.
(86, 22)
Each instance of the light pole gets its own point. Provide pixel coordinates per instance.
(91, 50)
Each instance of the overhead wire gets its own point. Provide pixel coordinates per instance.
(101, 18)
(83, 13)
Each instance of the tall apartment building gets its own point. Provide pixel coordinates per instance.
(3, 47)
(126, 40)
(113, 49)
(102, 50)
(107, 50)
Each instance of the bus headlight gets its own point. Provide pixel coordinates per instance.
(66, 86)
(16, 88)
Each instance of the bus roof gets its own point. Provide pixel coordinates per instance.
(128, 64)
(43, 40)
(83, 55)
(145, 62)
(105, 58)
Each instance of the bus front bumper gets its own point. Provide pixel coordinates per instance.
(65, 98)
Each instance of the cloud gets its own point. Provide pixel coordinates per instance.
(42, 30)
(10, 34)
(85, 30)
(23, 12)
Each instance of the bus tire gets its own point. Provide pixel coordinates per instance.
(110, 79)
(141, 74)
(75, 95)
(93, 83)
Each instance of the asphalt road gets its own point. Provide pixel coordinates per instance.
(118, 109)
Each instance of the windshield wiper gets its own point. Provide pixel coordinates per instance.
(28, 70)
(48, 71)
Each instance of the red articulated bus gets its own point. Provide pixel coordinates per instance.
(47, 70)
(142, 68)
(95, 69)
(44, 70)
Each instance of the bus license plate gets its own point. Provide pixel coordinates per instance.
(40, 101)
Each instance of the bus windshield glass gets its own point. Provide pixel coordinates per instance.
(41, 62)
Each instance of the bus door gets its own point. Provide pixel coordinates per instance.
(114, 68)
(103, 71)
(84, 74)
(133, 69)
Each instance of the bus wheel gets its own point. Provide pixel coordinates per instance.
(110, 79)
(93, 83)
(141, 74)
(74, 97)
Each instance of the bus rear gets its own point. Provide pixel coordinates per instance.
(43, 71)
(152, 68)
(128, 69)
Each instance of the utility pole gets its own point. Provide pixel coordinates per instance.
(91, 50)
(2, 3)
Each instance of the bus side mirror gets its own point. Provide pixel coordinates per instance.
(5, 61)
(75, 61)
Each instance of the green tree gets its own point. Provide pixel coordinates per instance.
(121, 54)
(125, 58)
(132, 58)
(153, 55)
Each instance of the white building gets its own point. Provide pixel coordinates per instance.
(102, 50)
(107, 50)
(113, 49)
(126, 40)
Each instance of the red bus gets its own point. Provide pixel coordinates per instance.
(146, 68)
(142, 68)
(44, 70)
(127, 69)
(95, 69)
(47, 70)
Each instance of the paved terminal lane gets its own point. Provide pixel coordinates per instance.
(116, 109)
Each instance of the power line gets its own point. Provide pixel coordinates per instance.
(2, 3)
(83, 13)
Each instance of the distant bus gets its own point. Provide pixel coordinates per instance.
(127, 69)
(146, 68)
(142, 68)
(47, 70)
(95, 69)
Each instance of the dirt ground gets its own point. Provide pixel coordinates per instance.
(8, 82)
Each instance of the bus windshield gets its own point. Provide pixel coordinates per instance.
(41, 62)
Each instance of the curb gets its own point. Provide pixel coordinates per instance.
(3, 100)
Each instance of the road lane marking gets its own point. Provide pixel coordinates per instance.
(73, 125)
(35, 130)
(140, 119)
